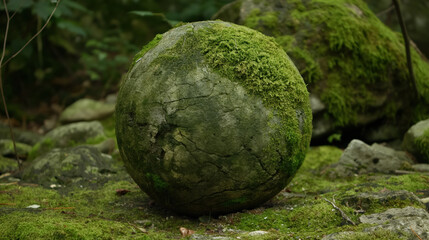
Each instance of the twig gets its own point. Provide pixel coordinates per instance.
(8, 18)
(402, 172)
(386, 10)
(345, 217)
(415, 233)
(407, 47)
(35, 35)
(1, 86)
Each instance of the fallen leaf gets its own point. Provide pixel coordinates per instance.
(186, 232)
(121, 192)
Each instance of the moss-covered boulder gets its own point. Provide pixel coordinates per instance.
(82, 165)
(416, 141)
(87, 110)
(213, 117)
(350, 60)
(69, 135)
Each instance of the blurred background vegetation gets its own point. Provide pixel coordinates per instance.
(88, 46)
(85, 50)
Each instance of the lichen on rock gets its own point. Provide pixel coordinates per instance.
(212, 118)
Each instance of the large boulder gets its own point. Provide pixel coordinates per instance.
(352, 63)
(213, 117)
(416, 141)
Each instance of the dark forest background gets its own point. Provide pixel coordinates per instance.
(88, 45)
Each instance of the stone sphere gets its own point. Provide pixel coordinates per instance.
(211, 118)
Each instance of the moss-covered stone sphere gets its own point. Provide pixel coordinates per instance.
(212, 118)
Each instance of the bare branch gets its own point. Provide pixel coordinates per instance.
(35, 35)
(8, 18)
(1, 86)
(407, 47)
(345, 217)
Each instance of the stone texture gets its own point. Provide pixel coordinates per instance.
(419, 132)
(75, 133)
(360, 158)
(420, 167)
(368, 200)
(87, 110)
(401, 220)
(81, 165)
(200, 143)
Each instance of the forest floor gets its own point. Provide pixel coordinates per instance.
(317, 204)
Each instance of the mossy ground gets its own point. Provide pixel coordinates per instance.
(299, 211)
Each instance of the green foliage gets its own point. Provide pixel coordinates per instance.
(87, 46)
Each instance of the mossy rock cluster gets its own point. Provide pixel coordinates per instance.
(351, 62)
(213, 117)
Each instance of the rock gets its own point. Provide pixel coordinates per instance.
(401, 220)
(358, 78)
(87, 110)
(360, 158)
(376, 234)
(7, 165)
(111, 99)
(420, 167)
(22, 136)
(198, 130)
(257, 233)
(316, 104)
(370, 200)
(75, 133)
(69, 135)
(206, 237)
(416, 141)
(107, 146)
(82, 165)
(7, 149)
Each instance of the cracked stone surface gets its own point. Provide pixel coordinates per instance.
(360, 158)
(196, 142)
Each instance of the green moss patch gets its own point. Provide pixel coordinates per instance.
(246, 56)
(345, 54)
(145, 49)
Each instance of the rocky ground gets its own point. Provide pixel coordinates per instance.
(73, 186)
